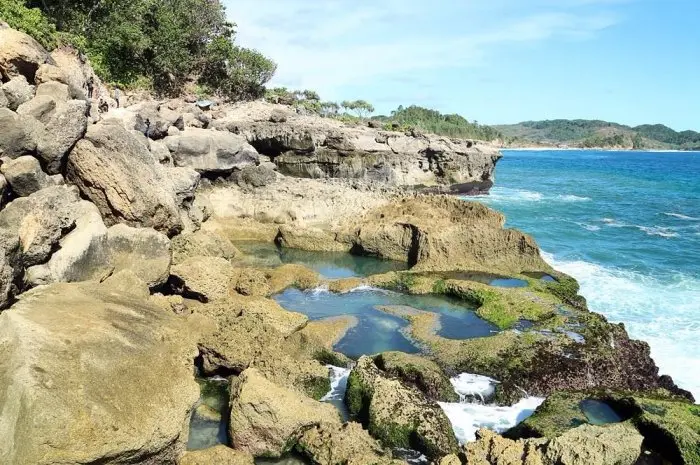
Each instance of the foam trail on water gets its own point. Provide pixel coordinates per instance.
(339, 383)
(681, 216)
(664, 314)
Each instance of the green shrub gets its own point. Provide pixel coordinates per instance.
(28, 20)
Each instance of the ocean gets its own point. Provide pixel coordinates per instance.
(626, 225)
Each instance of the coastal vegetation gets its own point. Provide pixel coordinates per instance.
(154, 44)
(596, 133)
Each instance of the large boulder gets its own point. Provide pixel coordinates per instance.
(143, 251)
(65, 126)
(266, 417)
(616, 444)
(203, 278)
(348, 443)
(91, 375)
(20, 55)
(397, 414)
(17, 135)
(3, 99)
(420, 372)
(118, 174)
(445, 233)
(211, 152)
(25, 176)
(203, 244)
(17, 91)
(82, 253)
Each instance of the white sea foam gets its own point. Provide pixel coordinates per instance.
(470, 385)
(573, 198)
(661, 313)
(505, 194)
(658, 231)
(320, 290)
(682, 217)
(468, 418)
(589, 227)
(339, 383)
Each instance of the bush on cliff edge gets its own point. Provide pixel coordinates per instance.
(161, 44)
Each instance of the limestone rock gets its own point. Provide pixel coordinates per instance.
(218, 455)
(20, 54)
(57, 91)
(211, 152)
(119, 175)
(341, 444)
(3, 190)
(143, 251)
(204, 278)
(420, 372)
(17, 135)
(82, 255)
(25, 176)
(398, 415)
(185, 182)
(71, 70)
(40, 107)
(255, 176)
(126, 281)
(490, 448)
(265, 416)
(445, 233)
(3, 99)
(617, 444)
(313, 239)
(312, 147)
(17, 91)
(61, 131)
(91, 375)
(203, 244)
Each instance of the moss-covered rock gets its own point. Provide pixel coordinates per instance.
(420, 372)
(542, 361)
(396, 414)
(670, 425)
(336, 444)
(265, 417)
(618, 444)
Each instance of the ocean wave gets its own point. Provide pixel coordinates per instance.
(682, 217)
(589, 227)
(661, 231)
(573, 198)
(658, 231)
(505, 194)
(662, 311)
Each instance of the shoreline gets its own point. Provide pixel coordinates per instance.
(575, 149)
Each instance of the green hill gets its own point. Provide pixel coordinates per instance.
(596, 133)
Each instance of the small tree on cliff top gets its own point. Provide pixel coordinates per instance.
(362, 108)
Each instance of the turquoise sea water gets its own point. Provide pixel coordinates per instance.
(627, 226)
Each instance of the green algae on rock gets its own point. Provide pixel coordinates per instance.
(399, 416)
(670, 424)
(420, 372)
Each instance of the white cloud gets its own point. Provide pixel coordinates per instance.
(330, 44)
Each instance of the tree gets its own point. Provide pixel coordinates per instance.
(362, 108)
(163, 43)
(329, 109)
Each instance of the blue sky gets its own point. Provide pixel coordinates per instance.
(495, 61)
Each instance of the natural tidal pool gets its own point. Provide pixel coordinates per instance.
(485, 278)
(208, 425)
(378, 331)
(598, 412)
(331, 265)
